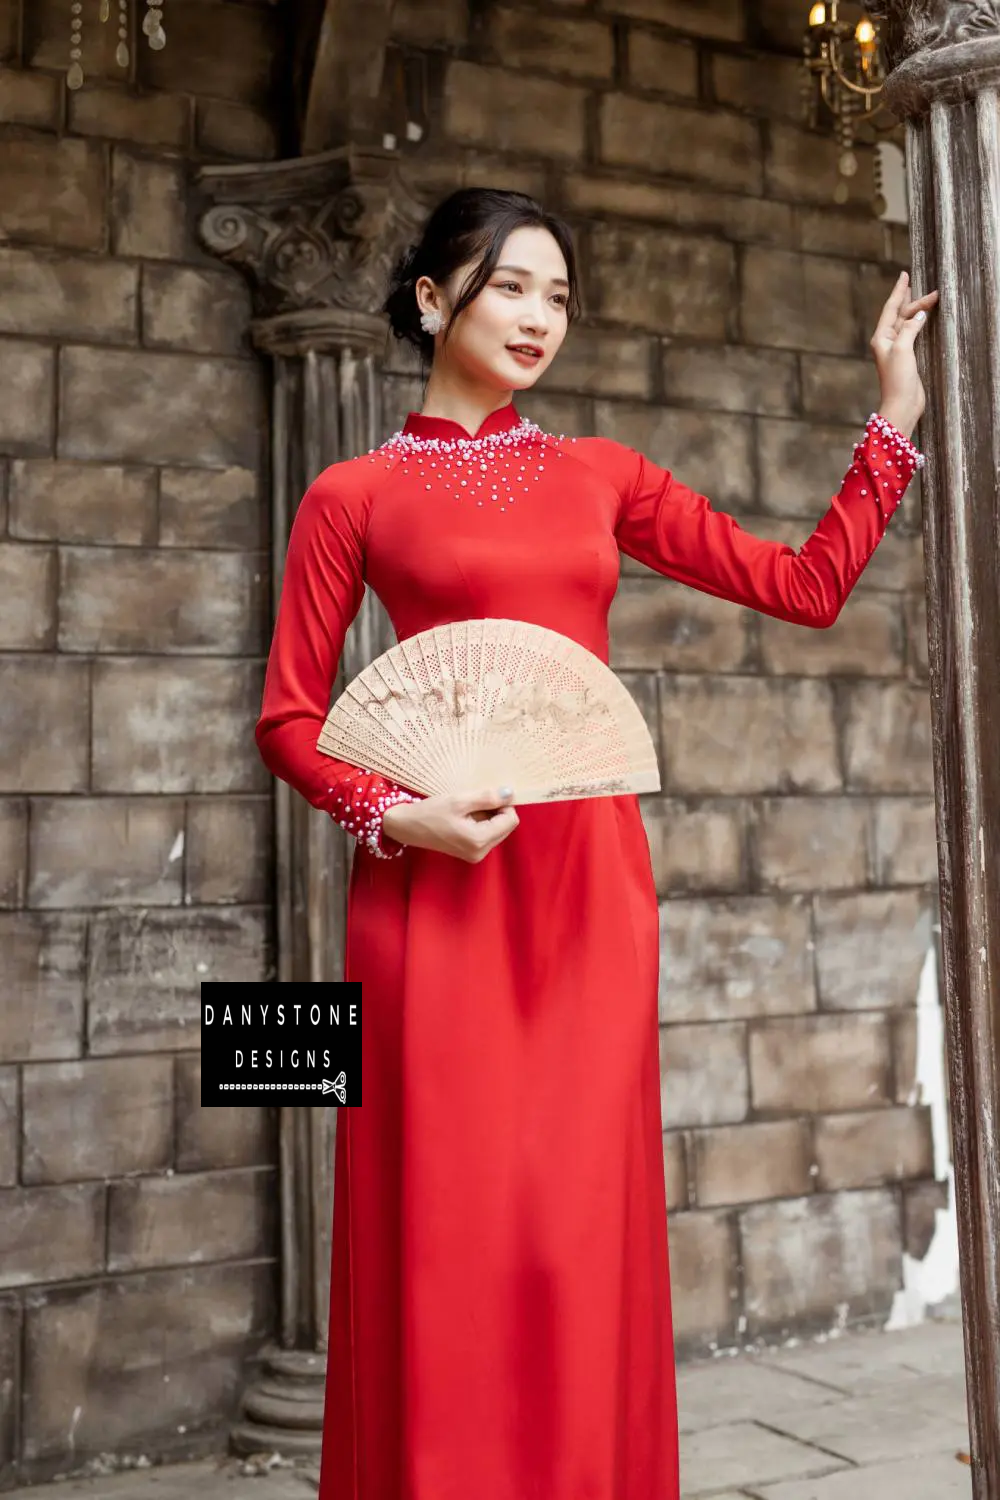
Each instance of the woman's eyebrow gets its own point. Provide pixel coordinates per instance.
(522, 271)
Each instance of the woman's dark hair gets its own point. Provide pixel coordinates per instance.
(472, 224)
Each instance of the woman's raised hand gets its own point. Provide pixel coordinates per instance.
(892, 345)
(466, 825)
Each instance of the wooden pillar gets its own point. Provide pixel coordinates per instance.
(317, 237)
(945, 81)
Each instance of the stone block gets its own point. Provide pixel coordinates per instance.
(662, 65)
(13, 851)
(146, 119)
(735, 1164)
(28, 98)
(508, 111)
(228, 850)
(598, 362)
(802, 465)
(866, 641)
(67, 502)
(42, 989)
(806, 1258)
(10, 1351)
(681, 284)
(106, 851)
(703, 1074)
(704, 1280)
(176, 726)
(45, 725)
(835, 389)
(922, 1201)
(191, 1218)
(102, 1117)
(810, 843)
(27, 384)
(227, 129)
(577, 48)
(51, 1234)
(675, 1169)
(431, 23)
(89, 1350)
(873, 1148)
(212, 508)
(904, 835)
(794, 301)
(874, 285)
(896, 564)
(28, 590)
(725, 959)
(760, 382)
(145, 971)
(720, 150)
(743, 220)
(759, 83)
(656, 623)
(9, 28)
(67, 297)
(150, 209)
(809, 1063)
(54, 190)
(779, 25)
(917, 643)
(887, 738)
(710, 453)
(742, 736)
(641, 686)
(132, 406)
(717, 20)
(851, 232)
(206, 312)
(171, 602)
(10, 1131)
(695, 848)
(871, 947)
(801, 165)
(904, 1058)
(232, 55)
(243, 1136)
(572, 416)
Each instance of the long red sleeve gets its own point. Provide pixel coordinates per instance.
(675, 531)
(321, 594)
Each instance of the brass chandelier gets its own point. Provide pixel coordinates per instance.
(845, 74)
(109, 12)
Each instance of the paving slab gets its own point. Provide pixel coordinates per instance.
(864, 1363)
(742, 1454)
(743, 1389)
(941, 1477)
(869, 1429)
(208, 1479)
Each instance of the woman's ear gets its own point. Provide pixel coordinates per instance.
(429, 299)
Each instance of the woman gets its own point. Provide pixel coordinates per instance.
(500, 1310)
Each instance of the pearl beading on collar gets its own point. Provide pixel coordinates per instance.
(498, 468)
(408, 442)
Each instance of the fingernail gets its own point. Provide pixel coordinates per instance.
(921, 316)
(505, 792)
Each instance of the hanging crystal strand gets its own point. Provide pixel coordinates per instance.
(122, 52)
(74, 76)
(152, 25)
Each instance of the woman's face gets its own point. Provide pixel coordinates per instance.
(514, 328)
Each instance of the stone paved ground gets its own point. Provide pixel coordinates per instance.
(863, 1416)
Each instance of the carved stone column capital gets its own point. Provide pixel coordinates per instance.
(945, 50)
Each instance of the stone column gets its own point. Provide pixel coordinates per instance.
(317, 237)
(945, 81)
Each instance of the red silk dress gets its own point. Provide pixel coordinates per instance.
(500, 1306)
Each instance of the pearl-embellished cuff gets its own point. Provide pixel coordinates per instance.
(903, 446)
(360, 811)
(373, 837)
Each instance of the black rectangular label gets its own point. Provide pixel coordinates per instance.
(281, 1044)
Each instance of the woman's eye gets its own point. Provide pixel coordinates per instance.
(508, 286)
(560, 299)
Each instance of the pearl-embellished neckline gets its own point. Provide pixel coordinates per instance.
(505, 419)
(406, 441)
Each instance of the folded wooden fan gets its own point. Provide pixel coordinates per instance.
(491, 703)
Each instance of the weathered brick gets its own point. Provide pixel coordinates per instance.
(887, 738)
(743, 220)
(897, 564)
(174, 602)
(212, 508)
(642, 688)
(572, 415)
(918, 645)
(45, 724)
(809, 1063)
(656, 623)
(105, 851)
(808, 1257)
(191, 1218)
(148, 119)
(13, 851)
(579, 48)
(695, 848)
(866, 641)
(42, 1013)
(730, 958)
(67, 297)
(793, 301)
(102, 1117)
(719, 20)
(54, 190)
(904, 1058)
(243, 1136)
(719, 149)
(28, 591)
(176, 726)
(703, 1073)
(10, 1333)
(27, 384)
(512, 112)
(703, 1278)
(870, 948)
(28, 98)
(905, 841)
(801, 165)
(780, 25)
(90, 1349)
(67, 502)
(159, 408)
(760, 83)
(873, 1148)
(661, 64)
(749, 1163)
(429, 23)
(710, 453)
(228, 849)
(227, 129)
(802, 465)
(597, 362)
(207, 312)
(10, 1133)
(810, 843)
(149, 209)
(742, 735)
(675, 1169)
(679, 284)
(762, 382)
(9, 28)
(839, 390)
(231, 57)
(51, 1234)
(145, 971)
(851, 232)
(922, 1201)
(874, 285)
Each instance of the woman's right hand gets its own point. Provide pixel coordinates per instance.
(466, 826)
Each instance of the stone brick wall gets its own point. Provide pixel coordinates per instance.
(137, 1231)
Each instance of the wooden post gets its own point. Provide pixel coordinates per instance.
(946, 75)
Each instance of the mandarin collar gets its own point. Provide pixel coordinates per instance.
(444, 429)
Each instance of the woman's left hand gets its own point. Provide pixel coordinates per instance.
(892, 345)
